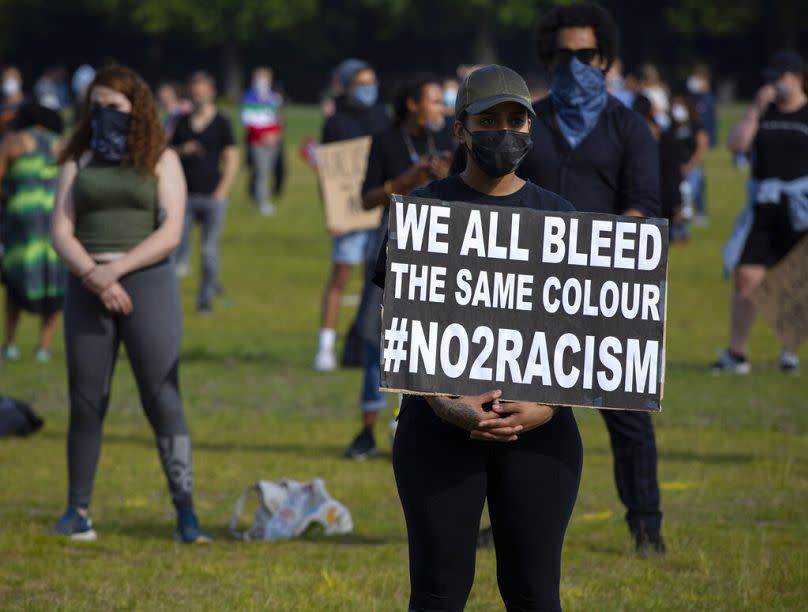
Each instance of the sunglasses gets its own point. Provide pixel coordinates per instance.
(585, 56)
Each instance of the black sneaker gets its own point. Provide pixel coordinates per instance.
(485, 539)
(363, 446)
(731, 363)
(649, 542)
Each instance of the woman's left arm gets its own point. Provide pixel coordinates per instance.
(171, 195)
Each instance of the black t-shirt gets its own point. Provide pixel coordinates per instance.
(685, 137)
(454, 189)
(390, 156)
(781, 145)
(349, 121)
(614, 169)
(203, 173)
(671, 151)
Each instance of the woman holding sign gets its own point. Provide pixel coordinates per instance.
(451, 454)
(413, 152)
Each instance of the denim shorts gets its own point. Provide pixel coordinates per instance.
(351, 248)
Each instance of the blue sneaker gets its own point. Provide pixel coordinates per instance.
(188, 530)
(75, 526)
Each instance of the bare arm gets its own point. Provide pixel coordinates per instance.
(5, 148)
(230, 163)
(458, 411)
(416, 175)
(743, 134)
(63, 223)
(465, 411)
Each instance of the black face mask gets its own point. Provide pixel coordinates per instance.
(109, 132)
(499, 152)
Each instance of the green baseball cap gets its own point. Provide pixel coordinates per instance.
(489, 86)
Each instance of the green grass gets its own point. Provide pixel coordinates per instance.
(733, 454)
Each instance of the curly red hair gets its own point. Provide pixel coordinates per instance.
(147, 139)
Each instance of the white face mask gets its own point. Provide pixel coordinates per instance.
(662, 120)
(694, 85)
(11, 87)
(679, 113)
(783, 89)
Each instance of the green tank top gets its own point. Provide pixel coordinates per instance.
(116, 207)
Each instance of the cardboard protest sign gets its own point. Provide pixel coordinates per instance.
(341, 167)
(783, 297)
(559, 308)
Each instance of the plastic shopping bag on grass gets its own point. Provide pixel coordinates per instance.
(288, 509)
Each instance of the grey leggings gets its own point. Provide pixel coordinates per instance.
(151, 335)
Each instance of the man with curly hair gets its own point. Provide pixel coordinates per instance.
(592, 150)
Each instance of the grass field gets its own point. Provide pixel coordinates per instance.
(733, 454)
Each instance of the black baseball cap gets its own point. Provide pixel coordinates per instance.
(782, 62)
(489, 86)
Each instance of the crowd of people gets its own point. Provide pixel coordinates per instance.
(106, 242)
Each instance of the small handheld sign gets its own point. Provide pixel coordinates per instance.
(341, 167)
(558, 308)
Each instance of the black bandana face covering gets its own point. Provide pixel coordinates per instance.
(109, 133)
(499, 152)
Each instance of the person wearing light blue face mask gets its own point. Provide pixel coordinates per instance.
(357, 113)
(600, 155)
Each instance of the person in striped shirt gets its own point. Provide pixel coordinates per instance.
(260, 115)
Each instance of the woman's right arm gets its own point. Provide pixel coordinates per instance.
(69, 249)
(467, 412)
(743, 134)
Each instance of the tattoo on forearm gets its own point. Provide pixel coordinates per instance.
(455, 411)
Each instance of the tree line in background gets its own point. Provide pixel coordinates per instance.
(304, 39)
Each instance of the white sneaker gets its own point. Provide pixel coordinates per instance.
(789, 362)
(325, 361)
(266, 209)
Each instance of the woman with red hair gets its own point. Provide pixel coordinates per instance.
(118, 215)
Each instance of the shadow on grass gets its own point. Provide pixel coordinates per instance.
(204, 355)
(312, 450)
(158, 531)
(689, 456)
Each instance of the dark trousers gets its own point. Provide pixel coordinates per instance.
(444, 479)
(635, 466)
(151, 335)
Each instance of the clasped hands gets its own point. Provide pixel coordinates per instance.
(102, 279)
(504, 422)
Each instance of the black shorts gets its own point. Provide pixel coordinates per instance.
(772, 236)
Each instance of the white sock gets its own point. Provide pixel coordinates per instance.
(327, 339)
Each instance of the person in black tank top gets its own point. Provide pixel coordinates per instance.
(450, 455)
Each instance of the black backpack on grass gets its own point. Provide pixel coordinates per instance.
(17, 418)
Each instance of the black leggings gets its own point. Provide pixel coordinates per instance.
(443, 480)
(152, 335)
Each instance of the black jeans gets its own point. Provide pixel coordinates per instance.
(635, 466)
(443, 480)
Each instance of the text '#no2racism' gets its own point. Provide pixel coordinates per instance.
(554, 307)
